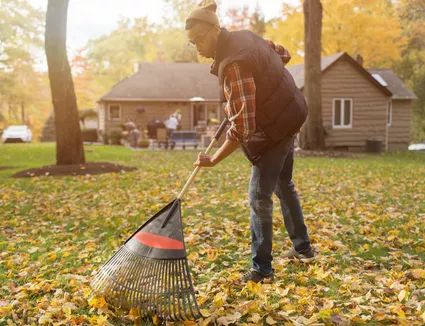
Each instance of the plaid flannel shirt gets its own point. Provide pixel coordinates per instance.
(239, 90)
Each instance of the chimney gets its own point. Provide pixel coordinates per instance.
(359, 59)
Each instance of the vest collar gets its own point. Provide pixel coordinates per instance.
(221, 41)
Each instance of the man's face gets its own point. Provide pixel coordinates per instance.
(203, 37)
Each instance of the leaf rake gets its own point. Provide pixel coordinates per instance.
(150, 270)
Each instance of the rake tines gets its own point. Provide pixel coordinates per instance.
(150, 271)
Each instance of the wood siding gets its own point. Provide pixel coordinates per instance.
(369, 109)
(399, 131)
(152, 110)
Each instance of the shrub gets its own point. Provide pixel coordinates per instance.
(115, 137)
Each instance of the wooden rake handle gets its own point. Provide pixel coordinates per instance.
(214, 140)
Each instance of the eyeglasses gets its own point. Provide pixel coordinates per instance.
(200, 38)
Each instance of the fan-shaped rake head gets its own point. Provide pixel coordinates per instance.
(150, 271)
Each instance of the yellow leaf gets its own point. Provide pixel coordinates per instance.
(5, 310)
(220, 299)
(418, 273)
(134, 313)
(97, 302)
(325, 313)
(156, 321)
(399, 311)
(254, 288)
(270, 320)
(98, 320)
(249, 307)
(45, 319)
(255, 318)
(52, 256)
(67, 308)
(402, 295)
(212, 254)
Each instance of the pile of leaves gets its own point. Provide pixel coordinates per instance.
(365, 216)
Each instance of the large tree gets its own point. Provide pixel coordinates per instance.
(69, 145)
(313, 133)
(20, 35)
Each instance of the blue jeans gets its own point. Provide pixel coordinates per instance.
(273, 174)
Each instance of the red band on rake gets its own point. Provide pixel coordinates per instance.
(158, 241)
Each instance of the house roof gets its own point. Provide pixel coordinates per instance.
(297, 71)
(394, 84)
(389, 80)
(167, 82)
(182, 82)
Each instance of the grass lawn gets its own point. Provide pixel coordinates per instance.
(365, 215)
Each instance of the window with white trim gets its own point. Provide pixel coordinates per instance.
(389, 114)
(342, 113)
(114, 112)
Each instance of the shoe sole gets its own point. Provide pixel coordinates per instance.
(304, 260)
(307, 260)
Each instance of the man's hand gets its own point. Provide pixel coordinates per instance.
(204, 161)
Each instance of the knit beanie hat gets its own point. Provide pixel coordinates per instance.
(205, 12)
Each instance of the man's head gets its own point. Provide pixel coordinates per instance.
(203, 28)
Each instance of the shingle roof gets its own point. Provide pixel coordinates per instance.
(327, 62)
(297, 71)
(398, 89)
(167, 82)
(395, 85)
(183, 81)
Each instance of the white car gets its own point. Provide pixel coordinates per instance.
(417, 147)
(19, 133)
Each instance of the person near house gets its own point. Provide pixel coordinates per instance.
(265, 110)
(171, 124)
(178, 116)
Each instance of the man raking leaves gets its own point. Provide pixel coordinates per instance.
(266, 110)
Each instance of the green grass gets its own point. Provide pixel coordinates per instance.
(365, 215)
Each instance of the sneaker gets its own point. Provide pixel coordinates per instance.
(306, 257)
(256, 277)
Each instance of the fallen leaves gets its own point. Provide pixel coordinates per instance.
(364, 216)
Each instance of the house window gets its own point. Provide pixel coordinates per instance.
(342, 113)
(115, 112)
(389, 114)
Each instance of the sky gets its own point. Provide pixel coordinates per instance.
(92, 18)
(89, 19)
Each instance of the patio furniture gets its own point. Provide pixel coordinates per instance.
(185, 138)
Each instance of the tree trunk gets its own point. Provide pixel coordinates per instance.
(312, 135)
(23, 113)
(69, 145)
